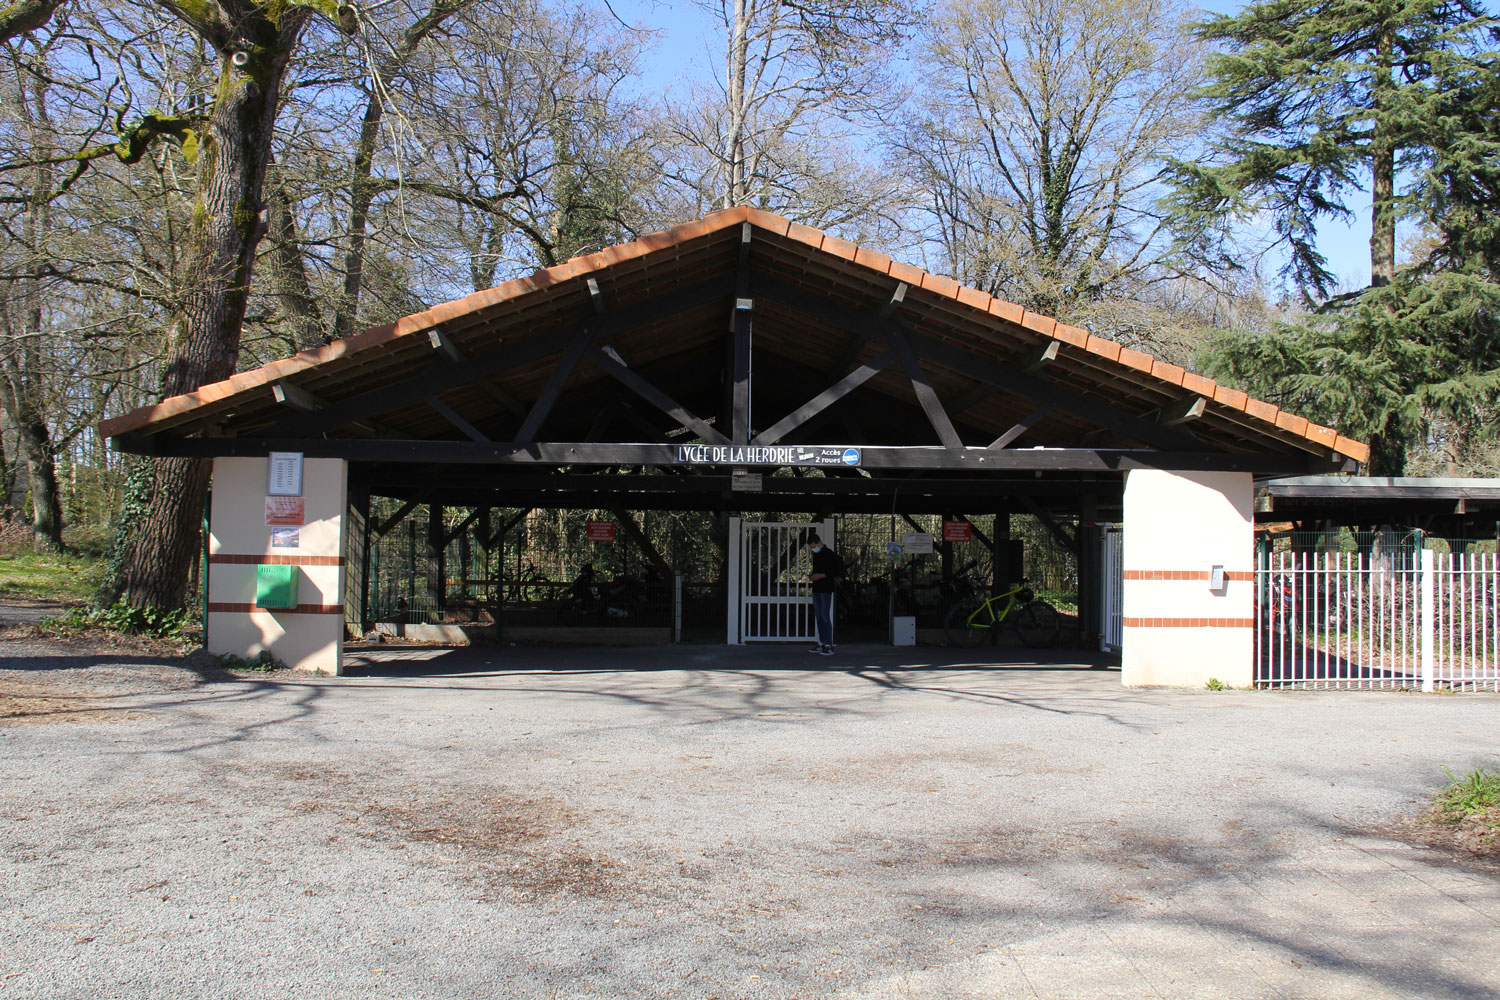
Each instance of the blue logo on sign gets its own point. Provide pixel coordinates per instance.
(851, 456)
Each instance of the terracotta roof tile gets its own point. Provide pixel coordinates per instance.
(842, 249)
(907, 273)
(1008, 311)
(974, 297)
(805, 234)
(1139, 360)
(874, 261)
(1325, 436)
(1291, 422)
(1352, 448)
(1104, 348)
(940, 285)
(1077, 336)
(1197, 383)
(1039, 323)
(1168, 372)
(1261, 410)
(1230, 397)
(769, 221)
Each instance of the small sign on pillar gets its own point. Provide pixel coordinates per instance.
(600, 531)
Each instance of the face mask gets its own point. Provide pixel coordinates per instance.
(817, 548)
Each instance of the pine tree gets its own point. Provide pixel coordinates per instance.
(1324, 97)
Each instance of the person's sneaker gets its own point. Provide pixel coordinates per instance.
(816, 649)
(826, 651)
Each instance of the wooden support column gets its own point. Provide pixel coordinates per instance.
(437, 576)
(1087, 554)
(360, 502)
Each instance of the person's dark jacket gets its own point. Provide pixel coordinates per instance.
(831, 566)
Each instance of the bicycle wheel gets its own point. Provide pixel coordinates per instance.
(1037, 624)
(968, 623)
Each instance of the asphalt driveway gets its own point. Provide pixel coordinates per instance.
(699, 822)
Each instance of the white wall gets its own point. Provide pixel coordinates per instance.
(1177, 527)
(311, 637)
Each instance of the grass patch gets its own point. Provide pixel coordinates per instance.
(46, 576)
(177, 625)
(1468, 810)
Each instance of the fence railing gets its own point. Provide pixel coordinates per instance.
(1368, 620)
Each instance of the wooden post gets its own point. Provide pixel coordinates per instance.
(437, 570)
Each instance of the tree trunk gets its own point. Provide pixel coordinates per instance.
(1383, 171)
(297, 316)
(236, 149)
(361, 196)
(737, 184)
(41, 474)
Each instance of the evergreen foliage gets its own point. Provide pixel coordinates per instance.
(1325, 96)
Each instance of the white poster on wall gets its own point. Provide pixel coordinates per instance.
(284, 478)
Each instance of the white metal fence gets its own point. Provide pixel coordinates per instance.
(1413, 618)
(770, 598)
(1111, 588)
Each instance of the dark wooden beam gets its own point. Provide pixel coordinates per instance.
(453, 417)
(927, 397)
(578, 343)
(463, 526)
(825, 399)
(655, 396)
(633, 531)
(593, 453)
(1025, 424)
(382, 529)
(1058, 531)
(975, 366)
(445, 346)
(527, 350)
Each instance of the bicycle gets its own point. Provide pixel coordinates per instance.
(971, 620)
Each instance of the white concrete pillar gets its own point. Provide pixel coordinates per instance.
(311, 635)
(1178, 629)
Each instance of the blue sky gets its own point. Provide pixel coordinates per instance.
(690, 44)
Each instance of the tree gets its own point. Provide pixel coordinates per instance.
(1324, 96)
(774, 125)
(255, 41)
(1318, 96)
(1040, 145)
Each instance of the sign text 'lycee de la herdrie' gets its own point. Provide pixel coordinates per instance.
(725, 454)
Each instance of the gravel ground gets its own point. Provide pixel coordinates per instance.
(705, 822)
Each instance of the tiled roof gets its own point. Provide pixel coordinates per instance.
(365, 351)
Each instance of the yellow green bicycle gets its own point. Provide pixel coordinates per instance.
(974, 621)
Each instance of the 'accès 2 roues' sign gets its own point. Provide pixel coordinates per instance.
(724, 454)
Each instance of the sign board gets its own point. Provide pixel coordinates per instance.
(285, 511)
(958, 531)
(893, 548)
(286, 538)
(601, 531)
(920, 543)
(725, 454)
(284, 474)
(746, 482)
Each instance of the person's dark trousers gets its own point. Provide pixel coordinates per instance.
(823, 611)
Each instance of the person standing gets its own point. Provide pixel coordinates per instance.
(827, 567)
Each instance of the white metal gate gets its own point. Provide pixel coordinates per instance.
(1369, 620)
(1111, 588)
(770, 598)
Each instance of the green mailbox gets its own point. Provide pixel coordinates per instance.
(276, 587)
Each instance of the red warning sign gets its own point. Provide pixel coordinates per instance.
(601, 531)
(958, 531)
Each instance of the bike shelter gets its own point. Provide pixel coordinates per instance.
(759, 374)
